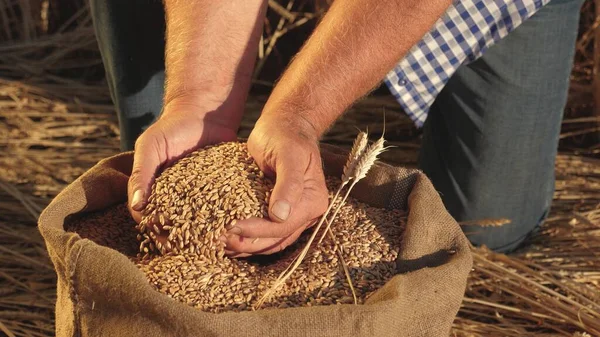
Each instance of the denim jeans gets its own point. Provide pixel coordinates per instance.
(131, 38)
(489, 142)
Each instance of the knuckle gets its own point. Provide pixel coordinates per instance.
(312, 222)
(295, 185)
(323, 203)
(284, 231)
(322, 207)
(140, 142)
(136, 173)
(281, 246)
(150, 137)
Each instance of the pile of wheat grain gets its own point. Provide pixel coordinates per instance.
(193, 200)
(112, 227)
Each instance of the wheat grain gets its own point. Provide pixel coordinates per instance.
(213, 188)
(200, 275)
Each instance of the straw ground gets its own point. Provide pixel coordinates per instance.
(56, 120)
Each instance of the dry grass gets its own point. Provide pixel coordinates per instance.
(56, 121)
(27, 278)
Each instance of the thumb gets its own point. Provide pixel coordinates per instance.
(146, 161)
(289, 186)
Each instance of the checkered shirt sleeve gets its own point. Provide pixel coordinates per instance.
(460, 36)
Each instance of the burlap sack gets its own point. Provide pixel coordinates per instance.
(102, 293)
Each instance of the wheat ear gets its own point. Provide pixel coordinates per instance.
(486, 222)
(358, 148)
(362, 167)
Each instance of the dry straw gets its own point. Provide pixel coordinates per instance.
(60, 126)
(488, 222)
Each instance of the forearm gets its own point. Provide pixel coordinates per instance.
(211, 49)
(352, 49)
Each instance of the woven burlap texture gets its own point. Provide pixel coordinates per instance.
(100, 292)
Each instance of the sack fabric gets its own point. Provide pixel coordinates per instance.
(100, 292)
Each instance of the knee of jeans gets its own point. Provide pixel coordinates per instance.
(507, 237)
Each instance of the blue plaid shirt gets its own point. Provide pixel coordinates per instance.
(466, 30)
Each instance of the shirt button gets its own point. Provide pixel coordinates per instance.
(402, 82)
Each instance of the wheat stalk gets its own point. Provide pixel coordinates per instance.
(486, 222)
(358, 148)
(340, 252)
(286, 273)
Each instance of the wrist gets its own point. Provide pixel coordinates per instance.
(197, 92)
(289, 123)
(299, 105)
(203, 109)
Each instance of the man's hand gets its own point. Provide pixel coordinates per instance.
(183, 127)
(208, 75)
(289, 152)
(354, 46)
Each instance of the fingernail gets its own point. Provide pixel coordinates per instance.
(234, 230)
(223, 238)
(137, 202)
(281, 209)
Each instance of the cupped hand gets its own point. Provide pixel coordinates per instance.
(290, 153)
(184, 126)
